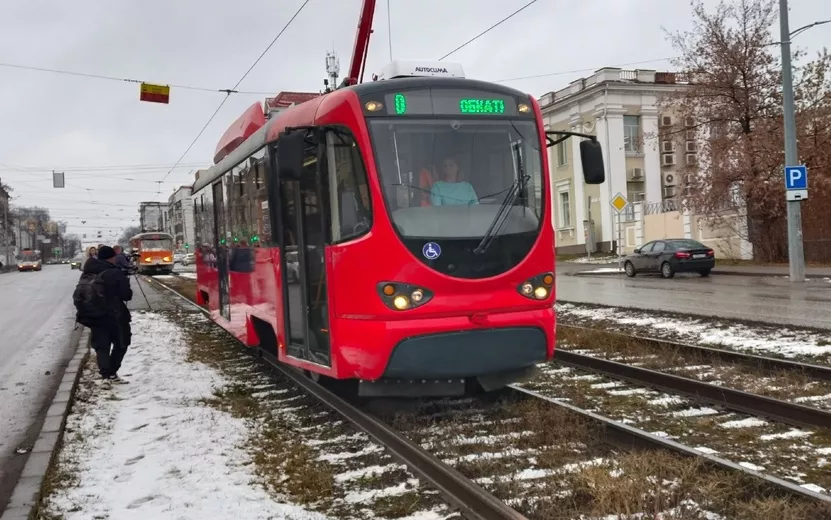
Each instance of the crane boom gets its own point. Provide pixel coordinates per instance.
(356, 66)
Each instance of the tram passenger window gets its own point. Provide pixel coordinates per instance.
(350, 210)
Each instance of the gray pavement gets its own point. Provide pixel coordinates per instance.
(755, 298)
(36, 327)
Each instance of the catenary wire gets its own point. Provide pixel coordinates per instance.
(494, 26)
(286, 26)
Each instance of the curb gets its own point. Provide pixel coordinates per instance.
(713, 272)
(27, 493)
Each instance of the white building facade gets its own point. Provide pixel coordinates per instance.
(620, 107)
(180, 218)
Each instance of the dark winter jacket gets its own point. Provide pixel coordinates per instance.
(117, 286)
(122, 262)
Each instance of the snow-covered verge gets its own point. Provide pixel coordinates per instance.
(150, 449)
(202, 437)
(781, 341)
(593, 260)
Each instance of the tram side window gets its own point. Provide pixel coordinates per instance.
(350, 210)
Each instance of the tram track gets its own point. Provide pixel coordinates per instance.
(460, 486)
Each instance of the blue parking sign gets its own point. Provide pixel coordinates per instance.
(796, 177)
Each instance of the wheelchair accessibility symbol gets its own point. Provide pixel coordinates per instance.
(431, 251)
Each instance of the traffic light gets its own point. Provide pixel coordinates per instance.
(187, 246)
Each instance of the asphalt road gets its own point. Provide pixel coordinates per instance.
(36, 327)
(754, 298)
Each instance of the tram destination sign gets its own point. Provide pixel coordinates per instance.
(447, 102)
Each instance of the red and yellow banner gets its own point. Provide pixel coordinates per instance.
(155, 93)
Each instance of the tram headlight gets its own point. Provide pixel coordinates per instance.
(166, 259)
(148, 259)
(403, 296)
(537, 288)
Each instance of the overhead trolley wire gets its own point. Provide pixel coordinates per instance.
(127, 80)
(234, 88)
(465, 44)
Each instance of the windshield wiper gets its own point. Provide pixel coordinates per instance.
(502, 215)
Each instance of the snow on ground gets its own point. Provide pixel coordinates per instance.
(604, 270)
(149, 449)
(190, 276)
(782, 342)
(593, 260)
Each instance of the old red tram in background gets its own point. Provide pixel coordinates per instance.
(397, 232)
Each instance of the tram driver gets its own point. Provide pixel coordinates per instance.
(451, 190)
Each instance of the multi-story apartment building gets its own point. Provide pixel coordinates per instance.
(643, 162)
(180, 218)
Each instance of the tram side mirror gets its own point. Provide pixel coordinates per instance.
(290, 149)
(591, 156)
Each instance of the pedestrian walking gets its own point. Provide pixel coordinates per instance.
(121, 259)
(100, 301)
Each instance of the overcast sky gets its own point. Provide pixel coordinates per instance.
(114, 148)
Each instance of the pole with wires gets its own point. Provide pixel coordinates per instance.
(796, 257)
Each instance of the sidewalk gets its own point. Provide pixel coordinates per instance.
(580, 269)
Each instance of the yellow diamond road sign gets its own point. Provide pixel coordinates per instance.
(619, 202)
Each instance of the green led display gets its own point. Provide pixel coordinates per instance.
(400, 104)
(482, 106)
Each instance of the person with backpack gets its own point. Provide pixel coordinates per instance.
(100, 302)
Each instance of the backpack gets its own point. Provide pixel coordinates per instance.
(90, 299)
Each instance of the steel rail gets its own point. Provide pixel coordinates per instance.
(629, 437)
(746, 402)
(472, 500)
(753, 360)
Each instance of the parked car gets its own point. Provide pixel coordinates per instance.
(178, 258)
(670, 256)
(188, 259)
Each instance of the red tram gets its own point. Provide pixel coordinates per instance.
(398, 233)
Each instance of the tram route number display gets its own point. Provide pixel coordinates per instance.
(447, 102)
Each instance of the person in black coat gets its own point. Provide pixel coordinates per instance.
(110, 336)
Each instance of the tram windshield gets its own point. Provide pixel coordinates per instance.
(447, 178)
(160, 244)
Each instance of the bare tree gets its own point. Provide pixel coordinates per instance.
(127, 234)
(734, 102)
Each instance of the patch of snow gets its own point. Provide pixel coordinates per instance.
(189, 276)
(150, 449)
(695, 412)
(751, 466)
(813, 487)
(603, 270)
(790, 434)
(663, 435)
(812, 398)
(335, 457)
(593, 260)
(750, 422)
(631, 391)
(705, 449)
(824, 451)
(165, 277)
(611, 384)
(369, 471)
(783, 342)
(666, 400)
(360, 497)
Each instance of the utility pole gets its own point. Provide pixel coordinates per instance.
(6, 226)
(796, 256)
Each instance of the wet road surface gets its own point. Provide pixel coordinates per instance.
(766, 299)
(36, 328)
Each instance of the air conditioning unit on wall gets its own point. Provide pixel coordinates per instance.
(666, 120)
(669, 179)
(668, 160)
(636, 174)
(691, 147)
(692, 159)
(667, 146)
(670, 192)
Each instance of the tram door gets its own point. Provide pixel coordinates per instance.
(304, 265)
(221, 246)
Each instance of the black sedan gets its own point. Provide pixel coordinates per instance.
(670, 256)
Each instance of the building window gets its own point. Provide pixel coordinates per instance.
(565, 209)
(562, 153)
(631, 134)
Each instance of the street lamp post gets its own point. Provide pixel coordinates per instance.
(796, 256)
